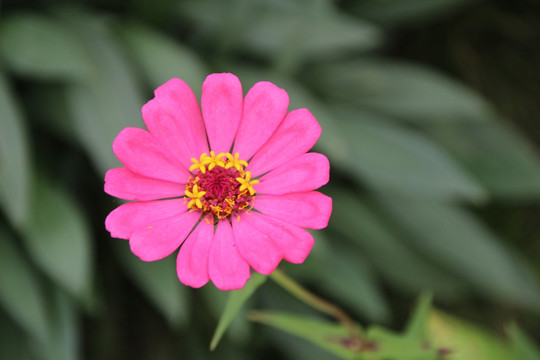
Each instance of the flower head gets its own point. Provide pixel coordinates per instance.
(232, 186)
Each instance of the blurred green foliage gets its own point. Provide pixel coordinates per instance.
(431, 182)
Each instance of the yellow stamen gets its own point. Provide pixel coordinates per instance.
(199, 164)
(247, 183)
(234, 162)
(195, 195)
(214, 160)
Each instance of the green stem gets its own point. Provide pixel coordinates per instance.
(357, 340)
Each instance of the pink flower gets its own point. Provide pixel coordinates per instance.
(233, 186)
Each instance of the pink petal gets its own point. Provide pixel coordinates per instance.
(125, 219)
(162, 125)
(265, 106)
(295, 136)
(175, 118)
(221, 103)
(142, 153)
(192, 261)
(124, 184)
(161, 237)
(308, 210)
(227, 269)
(305, 173)
(257, 248)
(294, 242)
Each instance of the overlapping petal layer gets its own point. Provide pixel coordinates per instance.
(257, 248)
(295, 242)
(304, 173)
(125, 184)
(162, 125)
(296, 135)
(178, 101)
(265, 106)
(143, 154)
(192, 261)
(162, 237)
(123, 221)
(222, 102)
(227, 268)
(308, 210)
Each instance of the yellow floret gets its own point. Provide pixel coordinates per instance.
(214, 160)
(195, 195)
(199, 164)
(234, 162)
(247, 183)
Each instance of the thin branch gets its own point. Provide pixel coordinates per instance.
(357, 343)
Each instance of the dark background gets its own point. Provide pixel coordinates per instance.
(430, 120)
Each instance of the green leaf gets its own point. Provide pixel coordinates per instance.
(20, 291)
(89, 107)
(334, 338)
(464, 340)
(13, 341)
(158, 282)
(522, 345)
(396, 12)
(329, 336)
(49, 100)
(57, 237)
(237, 298)
(397, 347)
(346, 273)
(162, 58)
(406, 91)
(34, 45)
(110, 99)
(298, 350)
(399, 263)
(456, 240)
(296, 34)
(64, 330)
(239, 330)
(494, 153)
(295, 30)
(14, 158)
(416, 327)
(392, 158)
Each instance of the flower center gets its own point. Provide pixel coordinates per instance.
(219, 185)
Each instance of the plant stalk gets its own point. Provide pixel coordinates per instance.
(357, 341)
